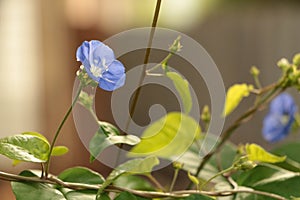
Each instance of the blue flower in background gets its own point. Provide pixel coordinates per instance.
(101, 65)
(277, 124)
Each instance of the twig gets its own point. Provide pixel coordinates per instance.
(148, 194)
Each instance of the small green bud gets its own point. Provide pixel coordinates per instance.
(296, 60)
(205, 116)
(176, 46)
(283, 64)
(254, 71)
(247, 165)
(178, 165)
(86, 100)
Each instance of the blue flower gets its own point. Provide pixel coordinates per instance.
(277, 124)
(101, 65)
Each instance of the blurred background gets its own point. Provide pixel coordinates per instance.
(39, 39)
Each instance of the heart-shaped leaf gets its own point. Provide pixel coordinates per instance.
(168, 137)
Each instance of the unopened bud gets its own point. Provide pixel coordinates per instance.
(178, 165)
(283, 64)
(205, 116)
(296, 60)
(247, 165)
(176, 46)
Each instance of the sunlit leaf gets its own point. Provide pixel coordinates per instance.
(168, 137)
(234, 96)
(59, 151)
(194, 179)
(25, 147)
(182, 87)
(39, 135)
(258, 154)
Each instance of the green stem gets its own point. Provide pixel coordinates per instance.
(174, 179)
(164, 61)
(155, 182)
(143, 75)
(47, 164)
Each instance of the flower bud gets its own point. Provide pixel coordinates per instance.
(254, 71)
(205, 116)
(296, 60)
(247, 165)
(178, 165)
(176, 46)
(283, 64)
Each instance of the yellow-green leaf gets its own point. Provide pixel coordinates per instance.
(258, 154)
(234, 96)
(182, 87)
(168, 137)
(194, 179)
(59, 151)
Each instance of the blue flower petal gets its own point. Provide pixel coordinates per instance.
(277, 124)
(273, 129)
(283, 104)
(114, 77)
(101, 54)
(82, 53)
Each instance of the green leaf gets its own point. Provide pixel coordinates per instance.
(35, 191)
(270, 178)
(25, 147)
(234, 96)
(103, 196)
(291, 150)
(100, 141)
(81, 195)
(81, 175)
(127, 196)
(182, 87)
(108, 129)
(37, 135)
(168, 137)
(194, 179)
(258, 154)
(133, 182)
(59, 151)
(135, 166)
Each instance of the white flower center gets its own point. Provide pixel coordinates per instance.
(96, 71)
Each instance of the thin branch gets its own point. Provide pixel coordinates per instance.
(148, 194)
